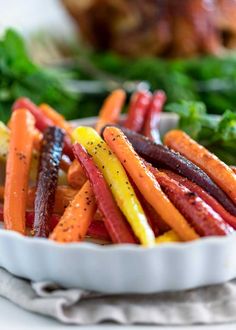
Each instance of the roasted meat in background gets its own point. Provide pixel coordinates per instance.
(156, 27)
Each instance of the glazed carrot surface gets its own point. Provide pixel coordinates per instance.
(111, 109)
(222, 174)
(77, 217)
(17, 170)
(118, 182)
(146, 183)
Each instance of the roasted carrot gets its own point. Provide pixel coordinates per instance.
(64, 195)
(220, 173)
(118, 182)
(57, 118)
(98, 230)
(137, 110)
(41, 121)
(77, 217)
(114, 221)
(149, 212)
(4, 146)
(159, 226)
(168, 237)
(152, 120)
(50, 158)
(208, 199)
(146, 183)
(161, 156)
(111, 109)
(75, 175)
(200, 215)
(17, 169)
(29, 219)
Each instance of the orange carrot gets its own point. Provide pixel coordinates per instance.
(77, 217)
(233, 169)
(57, 119)
(147, 184)
(111, 109)
(64, 195)
(75, 175)
(65, 163)
(17, 170)
(218, 171)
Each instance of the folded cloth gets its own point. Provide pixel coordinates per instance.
(214, 304)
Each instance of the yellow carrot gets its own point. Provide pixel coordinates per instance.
(17, 170)
(4, 141)
(168, 237)
(118, 181)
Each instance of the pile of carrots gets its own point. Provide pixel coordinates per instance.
(122, 184)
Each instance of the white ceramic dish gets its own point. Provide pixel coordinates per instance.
(123, 268)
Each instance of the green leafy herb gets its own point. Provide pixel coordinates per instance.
(210, 79)
(21, 77)
(218, 134)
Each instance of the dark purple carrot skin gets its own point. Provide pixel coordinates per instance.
(161, 156)
(200, 215)
(114, 220)
(51, 153)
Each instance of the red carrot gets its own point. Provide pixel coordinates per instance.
(201, 216)
(152, 120)
(211, 201)
(97, 229)
(114, 221)
(137, 111)
(42, 121)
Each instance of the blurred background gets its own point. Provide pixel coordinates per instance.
(72, 53)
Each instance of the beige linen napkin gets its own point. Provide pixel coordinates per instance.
(215, 304)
